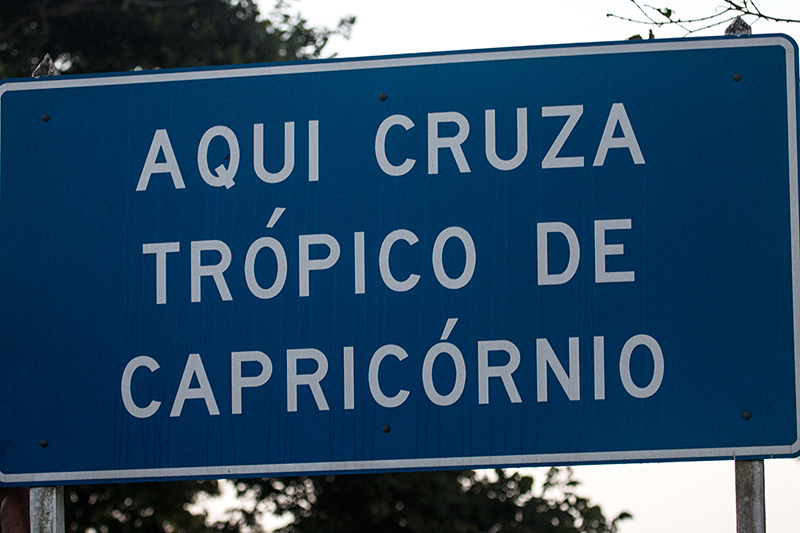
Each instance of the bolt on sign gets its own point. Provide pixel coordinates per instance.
(528, 256)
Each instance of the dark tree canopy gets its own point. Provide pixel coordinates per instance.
(116, 35)
(444, 502)
(137, 507)
(418, 502)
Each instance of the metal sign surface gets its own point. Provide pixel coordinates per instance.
(566, 254)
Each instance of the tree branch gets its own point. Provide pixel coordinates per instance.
(732, 8)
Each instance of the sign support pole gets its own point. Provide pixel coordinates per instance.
(751, 516)
(47, 510)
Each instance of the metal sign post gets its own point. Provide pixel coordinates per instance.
(750, 499)
(47, 510)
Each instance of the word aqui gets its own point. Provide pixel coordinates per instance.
(225, 175)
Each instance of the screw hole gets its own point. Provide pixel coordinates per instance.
(737, 77)
(386, 429)
(746, 415)
(45, 117)
(43, 443)
(382, 97)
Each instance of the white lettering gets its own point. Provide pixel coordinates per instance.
(601, 250)
(427, 374)
(545, 356)
(349, 387)
(224, 175)
(522, 141)
(250, 268)
(238, 382)
(199, 270)
(438, 262)
(313, 150)
(306, 265)
(599, 369)
(503, 372)
(293, 379)
(374, 383)
(288, 154)
(383, 261)
(161, 250)
(551, 159)
(625, 366)
(360, 268)
(542, 230)
(628, 139)
(127, 396)
(435, 143)
(194, 368)
(170, 165)
(380, 146)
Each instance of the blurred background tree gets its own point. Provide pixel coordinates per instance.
(444, 502)
(418, 502)
(85, 36)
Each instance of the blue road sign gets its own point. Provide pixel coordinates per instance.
(567, 254)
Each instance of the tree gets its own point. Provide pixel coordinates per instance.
(660, 17)
(116, 35)
(141, 507)
(443, 501)
(417, 502)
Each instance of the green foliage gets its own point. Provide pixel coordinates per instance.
(116, 35)
(421, 502)
(137, 507)
(417, 502)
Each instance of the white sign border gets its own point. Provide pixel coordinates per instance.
(49, 478)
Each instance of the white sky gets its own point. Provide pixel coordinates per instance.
(694, 497)
(398, 27)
